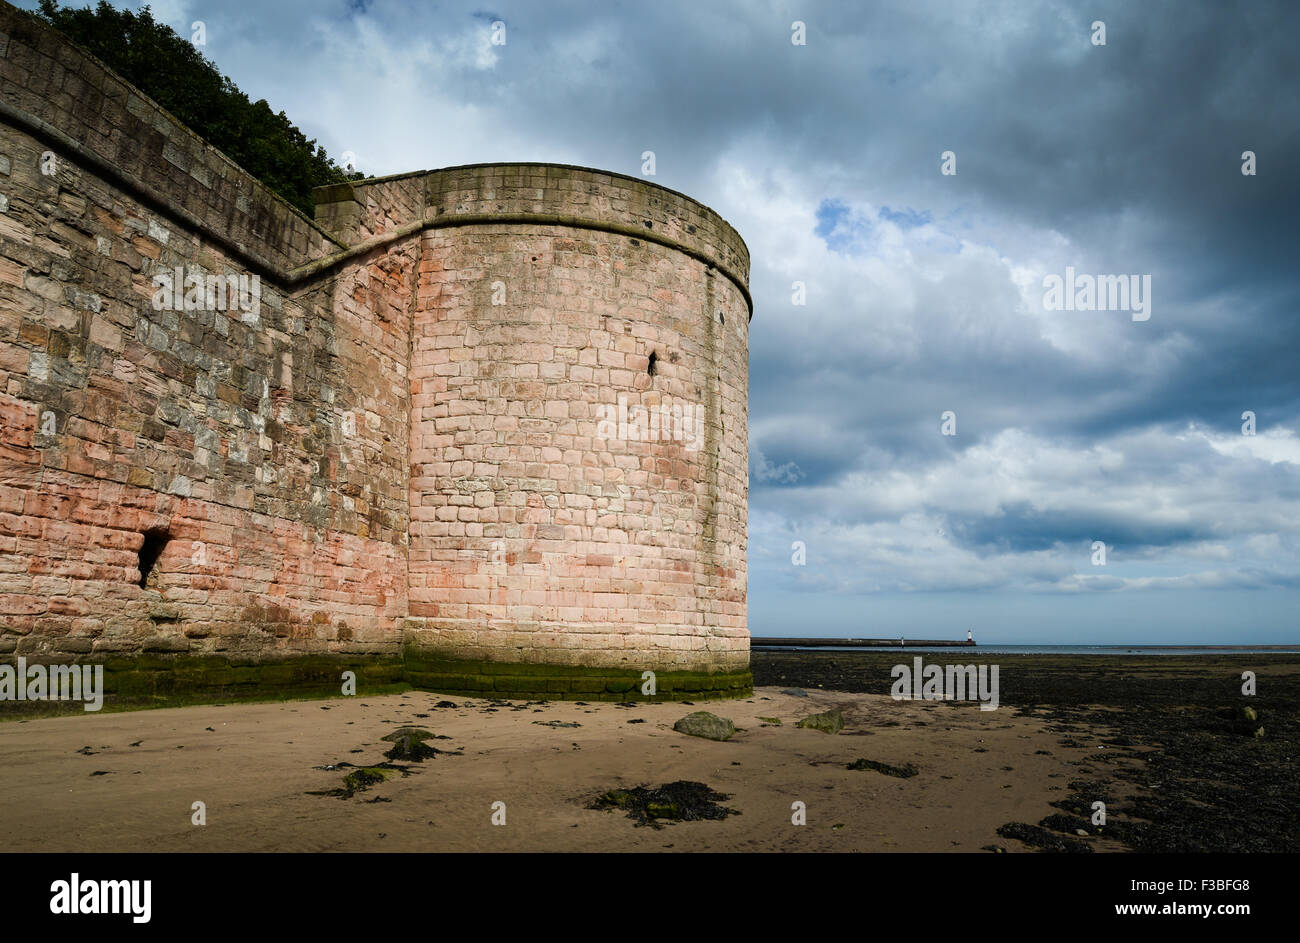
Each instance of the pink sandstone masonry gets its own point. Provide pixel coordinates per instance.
(486, 423)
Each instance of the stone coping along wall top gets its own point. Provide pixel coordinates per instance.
(365, 213)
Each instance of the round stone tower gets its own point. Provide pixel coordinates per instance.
(579, 478)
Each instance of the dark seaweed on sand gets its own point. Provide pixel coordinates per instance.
(682, 801)
(906, 771)
(1042, 839)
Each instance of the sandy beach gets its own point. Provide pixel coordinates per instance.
(128, 781)
(1156, 739)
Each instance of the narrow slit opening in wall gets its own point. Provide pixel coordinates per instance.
(150, 551)
(650, 368)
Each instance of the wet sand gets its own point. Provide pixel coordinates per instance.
(256, 767)
(1157, 739)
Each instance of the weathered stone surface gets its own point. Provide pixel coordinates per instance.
(831, 721)
(445, 441)
(704, 724)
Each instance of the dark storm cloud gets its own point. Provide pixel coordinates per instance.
(1019, 526)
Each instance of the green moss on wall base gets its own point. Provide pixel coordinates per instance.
(565, 682)
(141, 681)
(149, 680)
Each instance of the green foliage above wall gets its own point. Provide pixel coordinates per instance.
(171, 71)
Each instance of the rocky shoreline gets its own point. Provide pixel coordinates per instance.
(1177, 759)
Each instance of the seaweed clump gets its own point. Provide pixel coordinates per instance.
(681, 801)
(409, 744)
(1041, 838)
(361, 779)
(905, 771)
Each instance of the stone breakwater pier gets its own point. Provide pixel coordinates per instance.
(484, 429)
(775, 642)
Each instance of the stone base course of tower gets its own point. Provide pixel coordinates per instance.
(483, 430)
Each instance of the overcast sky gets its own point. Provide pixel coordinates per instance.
(924, 290)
